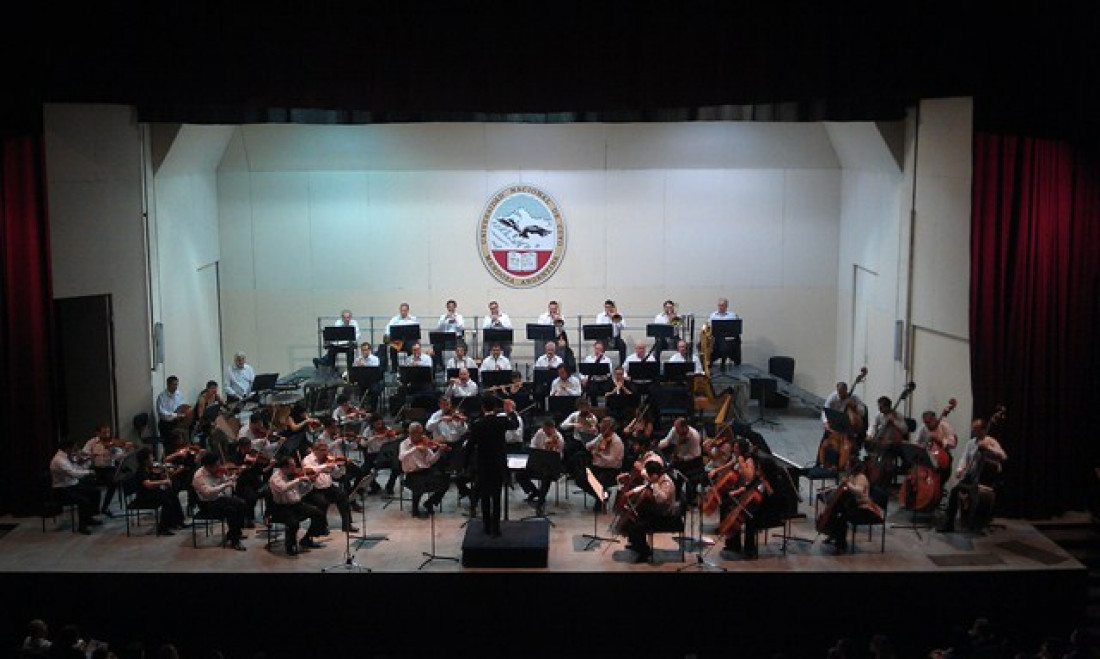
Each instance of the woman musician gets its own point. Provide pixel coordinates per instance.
(842, 503)
(156, 489)
(739, 507)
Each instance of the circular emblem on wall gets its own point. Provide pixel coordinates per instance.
(521, 236)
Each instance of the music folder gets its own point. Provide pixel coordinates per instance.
(539, 332)
(601, 332)
(726, 329)
(678, 371)
(643, 371)
(590, 369)
(340, 334)
(660, 330)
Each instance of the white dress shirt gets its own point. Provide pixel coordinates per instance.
(398, 320)
(238, 381)
(465, 362)
(684, 448)
(454, 325)
(63, 472)
(679, 359)
(167, 404)
(610, 457)
(496, 364)
(616, 328)
(351, 323)
(445, 430)
(570, 387)
(210, 487)
(546, 443)
(415, 457)
(460, 390)
(422, 360)
(366, 361)
(503, 322)
(286, 490)
(546, 361)
(325, 471)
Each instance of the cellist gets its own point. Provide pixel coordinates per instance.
(652, 500)
(742, 501)
(852, 493)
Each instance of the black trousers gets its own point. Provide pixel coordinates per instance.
(322, 499)
(489, 492)
(427, 480)
(171, 512)
(106, 478)
(231, 509)
(86, 498)
(293, 514)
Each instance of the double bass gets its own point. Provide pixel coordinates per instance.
(880, 464)
(923, 487)
(941, 456)
(836, 449)
(977, 497)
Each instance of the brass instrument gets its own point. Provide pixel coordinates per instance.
(676, 321)
(706, 346)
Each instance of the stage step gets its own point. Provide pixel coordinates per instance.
(521, 544)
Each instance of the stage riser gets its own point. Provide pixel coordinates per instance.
(521, 545)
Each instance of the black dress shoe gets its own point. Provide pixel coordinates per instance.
(237, 546)
(310, 543)
(95, 522)
(84, 530)
(165, 532)
(292, 551)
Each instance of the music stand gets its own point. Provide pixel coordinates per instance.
(544, 377)
(660, 331)
(646, 371)
(416, 375)
(760, 389)
(432, 556)
(601, 496)
(501, 335)
(340, 338)
(678, 371)
(592, 369)
(601, 332)
(917, 456)
(263, 382)
(619, 403)
(350, 563)
(544, 465)
(726, 329)
(539, 332)
(364, 377)
(495, 379)
(407, 334)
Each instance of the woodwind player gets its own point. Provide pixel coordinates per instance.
(461, 386)
(565, 384)
(450, 322)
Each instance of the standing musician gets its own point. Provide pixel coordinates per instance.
(730, 346)
(450, 322)
(337, 347)
(983, 452)
(497, 319)
(460, 360)
(328, 471)
(488, 441)
(566, 384)
(402, 318)
(607, 459)
(496, 361)
(684, 354)
(552, 314)
(172, 413)
(461, 386)
(597, 385)
(549, 359)
(611, 316)
(288, 484)
(842, 503)
(216, 499)
(745, 500)
(935, 434)
(418, 458)
(239, 378)
(104, 453)
(652, 501)
(546, 438)
(155, 487)
(686, 448)
(71, 486)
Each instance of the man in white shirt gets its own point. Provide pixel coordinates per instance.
(325, 492)
(552, 314)
(611, 316)
(683, 355)
(640, 355)
(546, 438)
(565, 384)
(450, 322)
(597, 385)
(668, 316)
(337, 347)
(461, 386)
(288, 485)
(607, 451)
(728, 347)
(549, 359)
(169, 415)
(215, 493)
(238, 378)
(497, 319)
(402, 318)
(981, 464)
(71, 487)
(685, 445)
(659, 504)
(513, 437)
(838, 400)
(460, 360)
(496, 361)
(418, 460)
(446, 425)
(365, 358)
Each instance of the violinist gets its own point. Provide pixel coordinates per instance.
(71, 486)
(216, 499)
(742, 501)
(155, 487)
(546, 438)
(582, 423)
(340, 446)
(461, 386)
(418, 458)
(105, 453)
(325, 492)
(983, 452)
(372, 439)
(250, 464)
(345, 412)
(653, 501)
(288, 484)
(185, 459)
(607, 459)
(255, 431)
(566, 384)
(447, 425)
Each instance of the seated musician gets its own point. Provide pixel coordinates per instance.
(447, 425)
(684, 355)
(154, 486)
(172, 413)
(582, 424)
(853, 494)
(71, 484)
(684, 447)
(718, 450)
(668, 316)
(563, 350)
(105, 452)
(839, 400)
(288, 485)
(450, 322)
(741, 502)
(607, 459)
(402, 318)
(325, 491)
(496, 361)
(546, 438)
(341, 448)
(337, 347)
(255, 431)
(239, 378)
(346, 412)
(513, 436)
(418, 458)
(460, 360)
(640, 354)
(597, 385)
(215, 493)
(638, 434)
(982, 457)
(549, 358)
(937, 434)
(497, 319)
(611, 316)
(552, 313)
(461, 386)
(566, 384)
(184, 458)
(655, 499)
(372, 438)
(729, 347)
(367, 359)
(251, 465)
(209, 399)
(620, 384)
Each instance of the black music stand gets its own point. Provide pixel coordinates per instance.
(340, 338)
(647, 371)
(917, 456)
(544, 378)
(726, 329)
(540, 334)
(262, 383)
(601, 332)
(501, 335)
(432, 556)
(495, 378)
(602, 496)
(592, 369)
(760, 389)
(365, 378)
(350, 563)
(442, 342)
(660, 331)
(678, 371)
(416, 376)
(618, 404)
(407, 334)
(544, 465)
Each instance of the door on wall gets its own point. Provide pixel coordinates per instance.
(86, 365)
(863, 282)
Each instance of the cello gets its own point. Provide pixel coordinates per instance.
(836, 448)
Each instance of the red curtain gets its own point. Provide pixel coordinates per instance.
(1035, 264)
(26, 336)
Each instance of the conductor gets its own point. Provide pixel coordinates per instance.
(487, 440)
